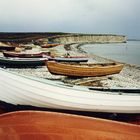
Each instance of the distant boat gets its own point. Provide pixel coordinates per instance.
(45, 55)
(7, 48)
(50, 45)
(41, 125)
(23, 90)
(67, 59)
(76, 56)
(24, 55)
(21, 62)
(83, 70)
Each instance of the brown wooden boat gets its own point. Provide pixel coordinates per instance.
(50, 45)
(83, 70)
(45, 55)
(25, 125)
(25, 55)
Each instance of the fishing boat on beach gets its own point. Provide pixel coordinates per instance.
(7, 48)
(21, 62)
(25, 55)
(15, 62)
(67, 59)
(45, 55)
(23, 90)
(50, 45)
(83, 70)
(59, 126)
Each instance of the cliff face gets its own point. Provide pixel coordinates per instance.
(89, 39)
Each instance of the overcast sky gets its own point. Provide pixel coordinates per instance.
(84, 16)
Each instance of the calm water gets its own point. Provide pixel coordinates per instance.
(124, 52)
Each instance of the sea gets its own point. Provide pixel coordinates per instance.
(128, 52)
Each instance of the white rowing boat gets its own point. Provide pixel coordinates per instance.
(17, 89)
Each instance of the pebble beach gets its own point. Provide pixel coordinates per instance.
(129, 77)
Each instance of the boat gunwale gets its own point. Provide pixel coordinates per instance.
(67, 115)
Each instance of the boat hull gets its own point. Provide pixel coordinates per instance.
(21, 90)
(46, 54)
(49, 45)
(17, 62)
(65, 59)
(23, 55)
(79, 71)
(7, 48)
(57, 126)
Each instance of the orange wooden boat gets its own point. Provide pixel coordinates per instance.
(29, 125)
(83, 70)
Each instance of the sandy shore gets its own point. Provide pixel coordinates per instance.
(128, 78)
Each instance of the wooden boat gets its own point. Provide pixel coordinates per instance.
(76, 56)
(50, 45)
(24, 55)
(67, 59)
(57, 126)
(22, 90)
(47, 55)
(83, 70)
(21, 62)
(7, 48)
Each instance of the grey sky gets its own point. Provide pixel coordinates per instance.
(85, 16)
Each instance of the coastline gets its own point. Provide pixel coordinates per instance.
(129, 77)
